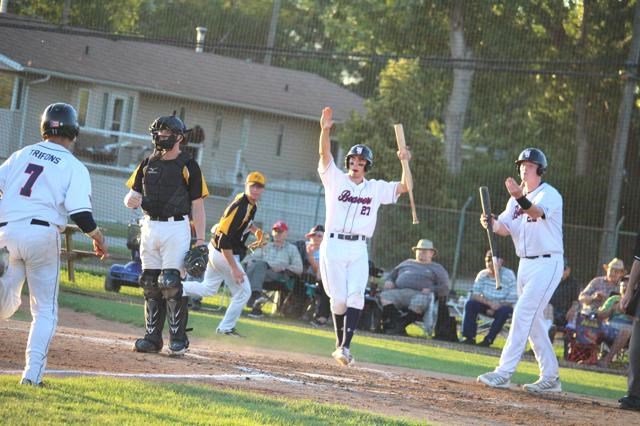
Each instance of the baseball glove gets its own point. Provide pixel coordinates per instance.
(195, 262)
(260, 241)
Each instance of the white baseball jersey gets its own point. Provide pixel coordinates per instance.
(536, 237)
(43, 181)
(351, 208)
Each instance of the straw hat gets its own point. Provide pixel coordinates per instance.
(425, 244)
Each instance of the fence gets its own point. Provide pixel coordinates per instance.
(562, 78)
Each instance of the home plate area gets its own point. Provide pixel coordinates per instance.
(81, 347)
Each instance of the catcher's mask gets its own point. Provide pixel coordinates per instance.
(171, 123)
(361, 151)
(533, 155)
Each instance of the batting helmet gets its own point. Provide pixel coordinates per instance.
(171, 123)
(361, 151)
(533, 155)
(59, 119)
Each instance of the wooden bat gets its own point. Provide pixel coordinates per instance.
(407, 171)
(493, 246)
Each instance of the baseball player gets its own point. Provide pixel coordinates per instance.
(41, 185)
(227, 249)
(168, 186)
(352, 204)
(533, 218)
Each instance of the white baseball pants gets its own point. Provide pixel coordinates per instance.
(344, 267)
(537, 280)
(34, 254)
(218, 270)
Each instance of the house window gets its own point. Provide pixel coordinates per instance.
(194, 141)
(105, 107)
(17, 94)
(6, 91)
(217, 133)
(83, 106)
(280, 137)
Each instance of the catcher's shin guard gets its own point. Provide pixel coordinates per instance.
(178, 316)
(154, 315)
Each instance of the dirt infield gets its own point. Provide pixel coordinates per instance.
(82, 347)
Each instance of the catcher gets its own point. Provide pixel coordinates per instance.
(169, 187)
(226, 250)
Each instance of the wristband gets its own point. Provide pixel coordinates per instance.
(524, 202)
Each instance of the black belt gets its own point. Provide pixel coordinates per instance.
(33, 222)
(535, 257)
(348, 237)
(175, 218)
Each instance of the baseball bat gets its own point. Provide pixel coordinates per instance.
(407, 171)
(493, 246)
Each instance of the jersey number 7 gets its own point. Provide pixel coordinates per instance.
(34, 170)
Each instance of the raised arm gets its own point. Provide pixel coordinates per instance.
(324, 149)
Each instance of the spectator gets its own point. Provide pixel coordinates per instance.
(323, 308)
(631, 401)
(276, 261)
(600, 288)
(487, 300)
(411, 285)
(616, 326)
(562, 300)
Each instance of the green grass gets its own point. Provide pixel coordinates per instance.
(118, 401)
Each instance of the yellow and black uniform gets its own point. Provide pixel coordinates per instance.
(232, 232)
(168, 186)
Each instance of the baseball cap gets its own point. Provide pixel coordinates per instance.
(314, 230)
(280, 226)
(256, 178)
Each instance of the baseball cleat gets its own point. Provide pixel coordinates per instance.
(232, 333)
(343, 356)
(28, 382)
(494, 380)
(177, 348)
(146, 346)
(544, 386)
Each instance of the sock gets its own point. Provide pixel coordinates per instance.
(338, 326)
(353, 316)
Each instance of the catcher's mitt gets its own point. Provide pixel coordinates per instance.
(195, 262)
(260, 241)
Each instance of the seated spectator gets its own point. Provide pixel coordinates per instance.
(322, 308)
(563, 298)
(487, 300)
(277, 261)
(411, 285)
(600, 288)
(616, 326)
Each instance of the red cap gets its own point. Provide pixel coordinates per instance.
(280, 226)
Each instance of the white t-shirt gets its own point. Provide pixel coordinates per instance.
(351, 208)
(536, 237)
(43, 181)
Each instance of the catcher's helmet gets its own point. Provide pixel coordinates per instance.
(533, 155)
(59, 119)
(361, 151)
(171, 123)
